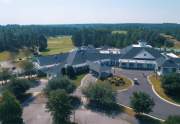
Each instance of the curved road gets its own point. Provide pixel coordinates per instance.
(161, 110)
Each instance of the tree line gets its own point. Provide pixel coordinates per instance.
(107, 38)
(15, 37)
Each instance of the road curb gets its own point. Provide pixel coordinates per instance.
(162, 120)
(177, 105)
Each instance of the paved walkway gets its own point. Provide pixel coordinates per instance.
(162, 109)
(34, 111)
(84, 116)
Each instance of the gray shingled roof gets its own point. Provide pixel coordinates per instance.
(53, 70)
(177, 60)
(98, 67)
(52, 59)
(130, 52)
(169, 63)
(81, 56)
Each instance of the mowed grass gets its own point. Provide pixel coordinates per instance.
(4, 56)
(7, 55)
(156, 82)
(58, 45)
(119, 32)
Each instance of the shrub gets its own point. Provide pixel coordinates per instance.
(171, 84)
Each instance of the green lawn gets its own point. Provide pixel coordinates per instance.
(5, 56)
(23, 54)
(77, 80)
(119, 32)
(58, 45)
(157, 86)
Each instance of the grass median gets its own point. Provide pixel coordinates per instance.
(156, 82)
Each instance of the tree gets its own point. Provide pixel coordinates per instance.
(171, 84)
(142, 102)
(42, 42)
(60, 83)
(28, 67)
(5, 74)
(173, 120)
(18, 87)
(100, 95)
(10, 109)
(59, 104)
(63, 71)
(70, 72)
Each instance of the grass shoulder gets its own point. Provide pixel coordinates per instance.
(156, 82)
(143, 119)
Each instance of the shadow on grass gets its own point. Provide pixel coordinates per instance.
(46, 50)
(111, 109)
(142, 119)
(176, 98)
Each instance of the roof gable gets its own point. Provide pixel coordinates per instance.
(51, 59)
(131, 52)
(143, 54)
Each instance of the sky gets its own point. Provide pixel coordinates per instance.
(88, 11)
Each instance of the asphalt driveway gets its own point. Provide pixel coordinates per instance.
(161, 109)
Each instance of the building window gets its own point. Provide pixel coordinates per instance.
(124, 64)
(131, 65)
(140, 66)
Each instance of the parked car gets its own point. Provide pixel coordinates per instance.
(136, 81)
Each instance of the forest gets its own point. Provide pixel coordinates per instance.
(15, 37)
(120, 40)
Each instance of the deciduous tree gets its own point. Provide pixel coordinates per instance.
(10, 109)
(142, 102)
(59, 105)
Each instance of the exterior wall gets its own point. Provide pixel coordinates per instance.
(130, 65)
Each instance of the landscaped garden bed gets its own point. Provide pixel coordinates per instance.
(118, 82)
